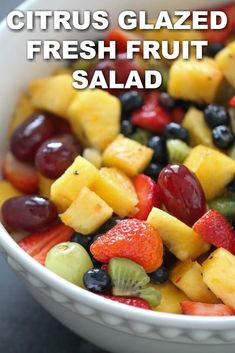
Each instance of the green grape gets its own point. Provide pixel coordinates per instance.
(69, 261)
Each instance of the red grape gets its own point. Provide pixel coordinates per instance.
(121, 65)
(29, 213)
(55, 155)
(28, 137)
(181, 193)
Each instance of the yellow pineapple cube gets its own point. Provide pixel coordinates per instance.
(128, 155)
(45, 185)
(225, 60)
(94, 156)
(115, 188)
(181, 240)
(66, 189)
(219, 275)
(213, 169)
(23, 110)
(54, 93)
(95, 117)
(196, 80)
(7, 191)
(171, 297)
(187, 276)
(87, 213)
(199, 132)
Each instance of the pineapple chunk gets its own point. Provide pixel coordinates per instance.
(187, 276)
(62, 70)
(53, 93)
(115, 188)
(181, 240)
(196, 80)
(94, 156)
(213, 169)
(219, 275)
(171, 297)
(87, 212)
(95, 117)
(225, 60)
(22, 112)
(128, 155)
(45, 185)
(199, 132)
(7, 191)
(66, 189)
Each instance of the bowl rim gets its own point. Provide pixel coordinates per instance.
(76, 293)
(92, 300)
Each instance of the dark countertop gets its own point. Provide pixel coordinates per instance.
(25, 327)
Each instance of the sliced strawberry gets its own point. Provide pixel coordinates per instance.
(232, 102)
(22, 176)
(121, 38)
(154, 120)
(37, 245)
(222, 35)
(177, 115)
(105, 267)
(215, 229)
(136, 302)
(148, 195)
(151, 116)
(202, 309)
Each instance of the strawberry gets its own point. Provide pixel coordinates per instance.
(232, 101)
(121, 38)
(22, 176)
(222, 35)
(154, 120)
(105, 267)
(136, 302)
(202, 309)
(132, 239)
(151, 116)
(177, 115)
(37, 245)
(148, 195)
(215, 229)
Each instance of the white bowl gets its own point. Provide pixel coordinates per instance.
(112, 326)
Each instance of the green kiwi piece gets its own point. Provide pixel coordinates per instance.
(130, 279)
(225, 205)
(231, 152)
(142, 136)
(177, 150)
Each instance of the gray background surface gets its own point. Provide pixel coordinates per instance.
(24, 326)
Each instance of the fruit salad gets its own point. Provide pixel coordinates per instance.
(131, 194)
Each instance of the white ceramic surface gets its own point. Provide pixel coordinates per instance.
(110, 325)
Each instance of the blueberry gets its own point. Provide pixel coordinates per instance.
(158, 144)
(159, 276)
(83, 240)
(231, 186)
(112, 222)
(216, 115)
(214, 49)
(168, 258)
(222, 136)
(176, 131)
(153, 170)
(131, 101)
(127, 128)
(166, 101)
(97, 280)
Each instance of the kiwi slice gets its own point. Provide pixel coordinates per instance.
(177, 150)
(225, 205)
(130, 279)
